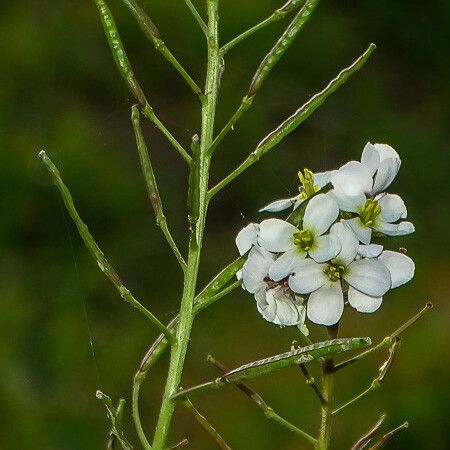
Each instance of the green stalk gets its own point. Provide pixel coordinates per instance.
(196, 237)
(327, 394)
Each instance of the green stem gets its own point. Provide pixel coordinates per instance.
(89, 241)
(388, 435)
(197, 16)
(387, 341)
(152, 187)
(261, 403)
(152, 33)
(327, 394)
(277, 15)
(138, 379)
(150, 114)
(204, 423)
(196, 238)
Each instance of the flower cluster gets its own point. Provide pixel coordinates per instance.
(322, 255)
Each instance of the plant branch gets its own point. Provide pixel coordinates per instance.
(148, 112)
(115, 417)
(203, 421)
(388, 435)
(376, 382)
(260, 402)
(292, 122)
(388, 340)
(364, 440)
(310, 381)
(95, 251)
(197, 16)
(277, 15)
(137, 381)
(152, 187)
(152, 33)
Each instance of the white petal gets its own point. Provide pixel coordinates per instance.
(325, 306)
(256, 268)
(349, 243)
(325, 248)
(350, 203)
(362, 232)
(370, 251)
(370, 158)
(276, 235)
(362, 302)
(284, 265)
(389, 166)
(322, 178)
(247, 237)
(399, 265)
(308, 276)
(279, 205)
(321, 211)
(368, 276)
(278, 308)
(353, 178)
(266, 309)
(386, 152)
(394, 229)
(239, 274)
(392, 207)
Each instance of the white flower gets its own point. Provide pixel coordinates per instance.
(356, 185)
(401, 269)
(383, 163)
(276, 305)
(310, 184)
(323, 281)
(275, 301)
(277, 236)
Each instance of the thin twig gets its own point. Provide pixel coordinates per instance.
(152, 187)
(197, 16)
(364, 440)
(387, 436)
(387, 341)
(148, 112)
(137, 381)
(277, 15)
(204, 423)
(152, 33)
(311, 382)
(376, 382)
(260, 402)
(95, 251)
(182, 443)
(292, 122)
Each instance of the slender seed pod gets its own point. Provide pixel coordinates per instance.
(118, 52)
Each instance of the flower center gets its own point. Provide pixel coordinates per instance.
(307, 179)
(370, 212)
(304, 239)
(334, 272)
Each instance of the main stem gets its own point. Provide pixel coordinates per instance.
(327, 394)
(178, 353)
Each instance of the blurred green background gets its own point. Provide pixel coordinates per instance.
(64, 332)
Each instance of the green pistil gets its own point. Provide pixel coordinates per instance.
(334, 272)
(304, 239)
(370, 212)
(307, 179)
